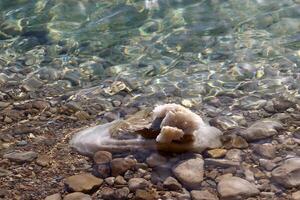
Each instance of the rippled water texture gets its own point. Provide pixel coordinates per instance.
(241, 51)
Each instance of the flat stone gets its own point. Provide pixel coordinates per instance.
(102, 157)
(288, 173)
(236, 188)
(190, 172)
(4, 172)
(221, 162)
(203, 195)
(137, 183)
(21, 157)
(32, 84)
(83, 182)
(217, 153)
(261, 130)
(77, 196)
(296, 195)
(120, 165)
(234, 141)
(56, 196)
(266, 150)
(172, 184)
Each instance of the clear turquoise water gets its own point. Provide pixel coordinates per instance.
(195, 49)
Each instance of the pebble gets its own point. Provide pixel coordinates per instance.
(21, 157)
(56, 196)
(77, 196)
(107, 193)
(110, 181)
(261, 130)
(119, 180)
(234, 141)
(236, 188)
(224, 123)
(267, 164)
(103, 170)
(266, 150)
(172, 184)
(137, 183)
(203, 195)
(83, 182)
(43, 160)
(102, 157)
(121, 193)
(190, 172)
(120, 165)
(4, 172)
(217, 153)
(288, 173)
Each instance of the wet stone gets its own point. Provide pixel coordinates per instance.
(261, 130)
(107, 193)
(83, 182)
(77, 196)
(120, 165)
(32, 84)
(137, 183)
(288, 173)
(21, 157)
(121, 193)
(56, 196)
(103, 170)
(102, 157)
(43, 160)
(172, 184)
(234, 155)
(234, 141)
(217, 153)
(265, 150)
(236, 188)
(145, 195)
(224, 123)
(203, 195)
(190, 172)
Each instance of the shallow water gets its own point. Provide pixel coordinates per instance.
(243, 52)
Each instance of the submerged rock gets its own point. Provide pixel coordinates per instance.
(288, 173)
(169, 127)
(261, 129)
(190, 172)
(236, 188)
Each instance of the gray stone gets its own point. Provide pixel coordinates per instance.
(203, 195)
(267, 164)
(261, 130)
(236, 188)
(190, 172)
(77, 196)
(137, 183)
(56, 196)
(266, 150)
(32, 84)
(4, 172)
(21, 157)
(288, 173)
(83, 182)
(224, 123)
(172, 184)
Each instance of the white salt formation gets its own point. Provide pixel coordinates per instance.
(168, 127)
